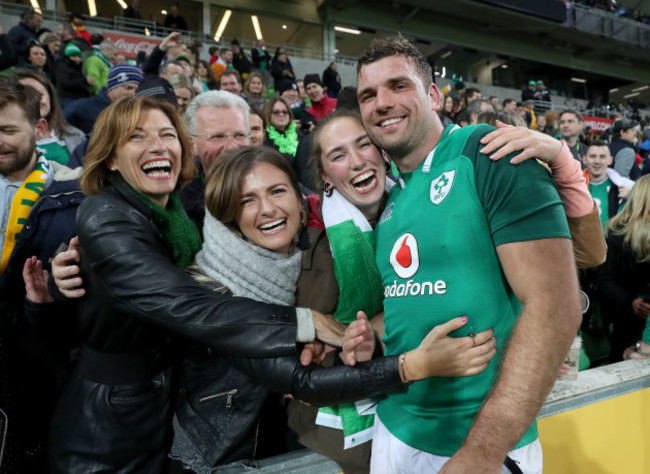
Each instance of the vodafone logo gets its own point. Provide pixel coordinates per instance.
(405, 257)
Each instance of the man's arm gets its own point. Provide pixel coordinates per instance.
(538, 346)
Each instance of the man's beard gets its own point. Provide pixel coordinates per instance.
(22, 158)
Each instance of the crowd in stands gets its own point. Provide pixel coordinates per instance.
(232, 99)
(613, 7)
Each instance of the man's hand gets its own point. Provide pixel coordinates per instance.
(641, 308)
(170, 41)
(65, 270)
(315, 352)
(624, 192)
(507, 139)
(36, 281)
(358, 341)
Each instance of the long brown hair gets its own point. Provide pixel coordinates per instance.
(268, 111)
(114, 126)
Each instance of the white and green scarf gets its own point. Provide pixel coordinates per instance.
(352, 242)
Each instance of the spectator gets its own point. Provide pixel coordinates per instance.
(123, 81)
(529, 92)
(551, 122)
(255, 91)
(133, 10)
(476, 107)
(67, 34)
(471, 94)
(59, 138)
(541, 92)
(258, 127)
(494, 100)
(451, 106)
(52, 44)
(623, 282)
(281, 70)
(571, 125)
(622, 147)
(24, 32)
(99, 63)
(606, 186)
(70, 79)
(261, 57)
(174, 19)
(510, 106)
(205, 75)
(332, 81)
(213, 51)
(321, 104)
(183, 89)
(231, 82)
(7, 54)
(240, 61)
(291, 95)
(37, 59)
(282, 132)
(456, 85)
(223, 63)
(77, 22)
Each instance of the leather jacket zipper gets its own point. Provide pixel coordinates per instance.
(229, 394)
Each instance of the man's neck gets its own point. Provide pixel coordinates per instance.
(411, 161)
(597, 180)
(20, 175)
(571, 141)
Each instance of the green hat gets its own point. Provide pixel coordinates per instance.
(532, 83)
(71, 50)
(540, 83)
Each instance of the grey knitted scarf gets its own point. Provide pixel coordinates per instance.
(246, 269)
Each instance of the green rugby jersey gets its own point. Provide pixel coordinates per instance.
(600, 193)
(436, 254)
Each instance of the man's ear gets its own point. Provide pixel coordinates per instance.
(41, 128)
(435, 97)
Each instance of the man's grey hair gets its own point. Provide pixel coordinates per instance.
(216, 100)
(107, 45)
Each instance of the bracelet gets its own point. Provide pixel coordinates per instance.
(402, 370)
(637, 349)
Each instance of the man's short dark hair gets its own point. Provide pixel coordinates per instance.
(348, 99)
(470, 91)
(475, 106)
(29, 14)
(598, 143)
(572, 111)
(508, 101)
(381, 48)
(231, 72)
(25, 97)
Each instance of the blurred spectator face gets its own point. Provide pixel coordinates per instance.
(629, 134)
(315, 92)
(187, 68)
(495, 103)
(227, 56)
(183, 96)
(474, 96)
(510, 107)
(112, 56)
(301, 89)
(598, 158)
(235, 48)
(201, 71)
(291, 96)
(256, 86)
(280, 116)
(448, 105)
(228, 82)
(45, 97)
(570, 126)
(75, 59)
(173, 69)
(282, 57)
(126, 90)
(54, 46)
(541, 122)
(35, 22)
(77, 21)
(219, 130)
(37, 56)
(257, 130)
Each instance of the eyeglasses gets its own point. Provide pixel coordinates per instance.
(280, 112)
(220, 138)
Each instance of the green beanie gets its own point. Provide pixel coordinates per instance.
(71, 50)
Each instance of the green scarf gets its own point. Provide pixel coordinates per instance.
(352, 241)
(178, 231)
(100, 55)
(286, 142)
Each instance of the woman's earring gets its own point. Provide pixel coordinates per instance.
(303, 217)
(329, 189)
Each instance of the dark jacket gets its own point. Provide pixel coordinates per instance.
(280, 81)
(83, 113)
(241, 63)
(115, 413)
(32, 368)
(258, 57)
(70, 79)
(177, 22)
(8, 55)
(332, 81)
(20, 36)
(619, 281)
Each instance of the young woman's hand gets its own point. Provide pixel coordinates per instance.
(506, 139)
(442, 356)
(358, 341)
